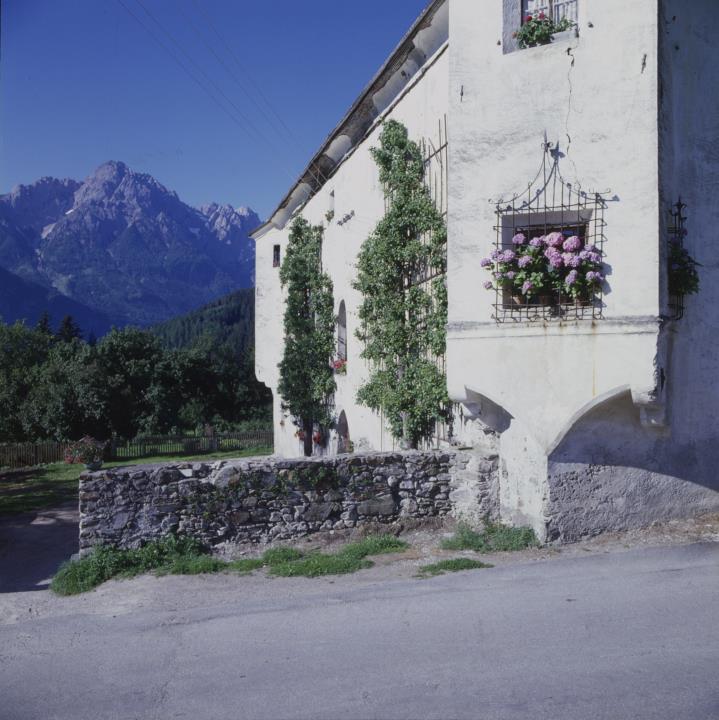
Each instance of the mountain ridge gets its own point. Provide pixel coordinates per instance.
(124, 245)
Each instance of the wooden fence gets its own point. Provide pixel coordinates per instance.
(28, 454)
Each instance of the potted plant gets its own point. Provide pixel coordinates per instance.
(683, 274)
(87, 451)
(340, 366)
(545, 269)
(540, 30)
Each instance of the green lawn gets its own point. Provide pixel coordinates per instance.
(50, 485)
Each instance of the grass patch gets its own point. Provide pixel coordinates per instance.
(317, 564)
(493, 538)
(51, 485)
(183, 556)
(168, 555)
(454, 565)
(349, 559)
(246, 565)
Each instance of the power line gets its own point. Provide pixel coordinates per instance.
(258, 89)
(289, 139)
(241, 120)
(241, 114)
(238, 121)
(244, 70)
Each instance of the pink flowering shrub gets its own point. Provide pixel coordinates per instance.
(553, 265)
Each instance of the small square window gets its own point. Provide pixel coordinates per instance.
(557, 10)
(276, 256)
(517, 11)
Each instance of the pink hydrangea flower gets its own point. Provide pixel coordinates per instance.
(524, 261)
(507, 256)
(527, 287)
(556, 261)
(488, 285)
(537, 242)
(594, 277)
(550, 252)
(571, 260)
(485, 262)
(572, 244)
(519, 239)
(554, 239)
(571, 278)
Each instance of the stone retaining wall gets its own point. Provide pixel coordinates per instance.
(262, 499)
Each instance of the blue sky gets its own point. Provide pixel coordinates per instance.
(82, 82)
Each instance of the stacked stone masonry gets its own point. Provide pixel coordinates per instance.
(263, 499)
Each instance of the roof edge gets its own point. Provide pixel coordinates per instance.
(426, 35)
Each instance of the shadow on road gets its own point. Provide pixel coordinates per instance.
(33, 545)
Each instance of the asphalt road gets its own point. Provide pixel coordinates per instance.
(616, 635)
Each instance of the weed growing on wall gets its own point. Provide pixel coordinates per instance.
(401, 275)
(306, 377)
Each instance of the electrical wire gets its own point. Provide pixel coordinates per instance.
(241, 121)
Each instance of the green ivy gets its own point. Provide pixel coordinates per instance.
(403, 320)
(683, 273)
(306, 379)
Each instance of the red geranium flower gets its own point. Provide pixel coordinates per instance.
(542, 16)
(529, 18)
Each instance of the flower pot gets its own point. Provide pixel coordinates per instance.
(93, 466)
(519, 300)
(546, 299)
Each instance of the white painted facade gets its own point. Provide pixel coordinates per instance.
(599, 423)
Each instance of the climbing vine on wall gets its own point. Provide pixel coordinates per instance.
(306, 379)
(401, 275)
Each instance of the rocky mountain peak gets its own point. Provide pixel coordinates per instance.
(123, 243)
(36, 205)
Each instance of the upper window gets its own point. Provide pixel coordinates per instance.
(556, 10)
(276, 256)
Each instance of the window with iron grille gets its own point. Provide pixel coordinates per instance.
(276, 256)
(548, 260)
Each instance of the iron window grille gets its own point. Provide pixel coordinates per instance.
(550, 204)
(676, 234)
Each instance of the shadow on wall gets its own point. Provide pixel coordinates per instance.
(611, 473)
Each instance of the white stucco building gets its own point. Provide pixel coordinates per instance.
(603, 416)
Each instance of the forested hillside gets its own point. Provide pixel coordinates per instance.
(228, 322)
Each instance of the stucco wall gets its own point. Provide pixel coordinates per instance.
(594, 91)
(610, 471)
(358, 197)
